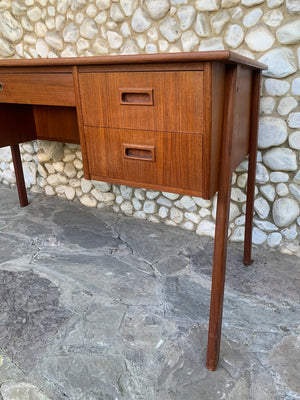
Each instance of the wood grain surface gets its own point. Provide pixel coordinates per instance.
(176, 106)
(56, 123)
(177, 166)
(37, 88)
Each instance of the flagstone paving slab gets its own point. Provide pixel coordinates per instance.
(99, 306)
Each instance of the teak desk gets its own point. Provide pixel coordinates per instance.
(174, 122)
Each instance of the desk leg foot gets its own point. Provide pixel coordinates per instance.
(15, 151)
(211, 367)
(247, 263)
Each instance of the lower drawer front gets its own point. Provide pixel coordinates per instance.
(159, 160)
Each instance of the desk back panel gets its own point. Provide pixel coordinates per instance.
(16, 124)
(56, 123)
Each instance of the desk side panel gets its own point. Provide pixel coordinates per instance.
(242, 117)
(17, 124)
(215, 121)
(78, 100)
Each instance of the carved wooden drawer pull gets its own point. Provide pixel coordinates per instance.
(136, 152)
(136, 97)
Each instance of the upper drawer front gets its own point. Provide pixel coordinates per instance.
(162, 101)
(37, 88)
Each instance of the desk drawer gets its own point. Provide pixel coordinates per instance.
(159, 160)
(170, 101)
(37, 88)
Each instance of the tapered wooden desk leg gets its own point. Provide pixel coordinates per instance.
(256, 77)
(15, 151)
(222, 220)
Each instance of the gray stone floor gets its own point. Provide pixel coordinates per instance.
(95, 305)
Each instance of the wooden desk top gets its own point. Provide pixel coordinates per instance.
(225, 56)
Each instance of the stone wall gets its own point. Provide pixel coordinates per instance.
(267, 30)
